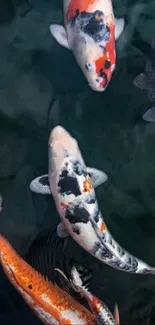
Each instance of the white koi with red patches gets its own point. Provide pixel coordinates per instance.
(82, 219)
(90, 32)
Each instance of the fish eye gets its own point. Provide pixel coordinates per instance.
(88, 66)
(107, 64)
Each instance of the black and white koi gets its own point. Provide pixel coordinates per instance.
(72, 186)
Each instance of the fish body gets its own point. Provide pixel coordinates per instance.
(90, 32)
(73, 191)
(146, 81)
(51, 304)
(101, 312)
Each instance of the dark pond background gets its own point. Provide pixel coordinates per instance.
(41, 86)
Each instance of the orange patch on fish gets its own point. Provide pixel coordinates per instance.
(63, 205)
(70, 203)
(80, 5)
(102, 226)
(96, 304)
(87, 186)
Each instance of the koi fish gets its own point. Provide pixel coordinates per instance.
(90, 32)
(101, 312)
(72, 187)
(146, 81)
(52, 305)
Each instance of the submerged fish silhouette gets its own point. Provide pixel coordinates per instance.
(146, 81)
(42, 257)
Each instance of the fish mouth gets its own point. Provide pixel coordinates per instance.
(58, 134)
(98, 88)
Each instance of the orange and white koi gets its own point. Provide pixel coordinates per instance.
(72, 187)
(90, 32)
(50, 303)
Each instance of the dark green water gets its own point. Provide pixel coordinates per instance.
(40, 87)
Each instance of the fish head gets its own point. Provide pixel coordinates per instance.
(62, 146)
(94, 50)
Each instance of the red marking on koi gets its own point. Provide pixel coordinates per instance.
(63, 205)
(87, 185)
(80, 5)
(102, 226)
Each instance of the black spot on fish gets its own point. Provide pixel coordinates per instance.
(30, 286)
(105, 253)
(44, 180)
(96, 216)
(88, 66)
(78, 168)
(120, 250)
(77, 214)
(107, 64)
(68, 184)
(92, 24)
(95, 248)
(76, 230)
(103, 75)
(90, 199)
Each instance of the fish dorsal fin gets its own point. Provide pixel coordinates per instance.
(97, 176)
(119, 26)
(40, 185)
(60, 35)
(149, 115)
(140, 81)
(61, 231)
(116, 315)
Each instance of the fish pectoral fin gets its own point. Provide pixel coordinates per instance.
(61, 231)
(119, 26)
(59, 33)
(116, 315)
(140, 81)
(149, 115)
(40, 185)
(97, 176)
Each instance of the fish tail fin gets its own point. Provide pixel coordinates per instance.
(149, 115)
(153, 270)
(140, 81)
(116, 314)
